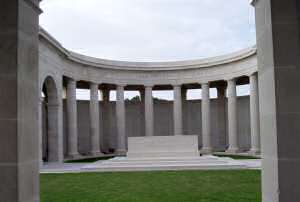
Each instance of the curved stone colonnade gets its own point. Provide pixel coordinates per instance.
(62, 69)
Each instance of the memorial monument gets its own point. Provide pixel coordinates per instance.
(278, 63)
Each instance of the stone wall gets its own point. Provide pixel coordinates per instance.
(163, 120)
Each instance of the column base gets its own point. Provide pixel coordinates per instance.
(254, 152)
(96, 153)
(206, 150)
(120, 152)
(74, 156)
(232, 151)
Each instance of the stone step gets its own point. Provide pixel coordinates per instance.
(164, 167)
(145, 164)
(162, 162)
(208, 157)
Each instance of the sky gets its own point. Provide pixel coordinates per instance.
(151, 30)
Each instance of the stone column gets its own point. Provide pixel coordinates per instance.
(221, 115)
(278, 56)
(72, 118)
(94, 119)
(177, 110)
(40, 121)
(206, 132)
(232, 117)
(53, 132)
(254, 115)
(184, 110)
(149, 121)
(121, 121)
(19, 92)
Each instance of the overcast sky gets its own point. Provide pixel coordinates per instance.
(150, 30)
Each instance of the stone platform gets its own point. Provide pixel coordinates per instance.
(164, 153)
(171, 163)
(90, 167)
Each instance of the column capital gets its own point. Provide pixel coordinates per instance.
(148, 85)
(94, 83)
(252, 74)
(177, 85)
(205, 92)
(205, 83)
(253, 2)
(121, 85)
(69, 79)
(231, 79)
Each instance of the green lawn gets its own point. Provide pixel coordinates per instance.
(181, 186)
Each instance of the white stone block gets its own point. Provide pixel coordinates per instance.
(163, 146)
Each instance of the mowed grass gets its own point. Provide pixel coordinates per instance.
(172, 186)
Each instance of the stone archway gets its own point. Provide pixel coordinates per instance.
(50, 121)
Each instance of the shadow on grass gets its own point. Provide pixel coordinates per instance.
(237, 157)
(89, 160)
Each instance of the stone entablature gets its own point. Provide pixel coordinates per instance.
(80, 67)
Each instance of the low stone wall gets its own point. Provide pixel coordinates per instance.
(163, 120)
